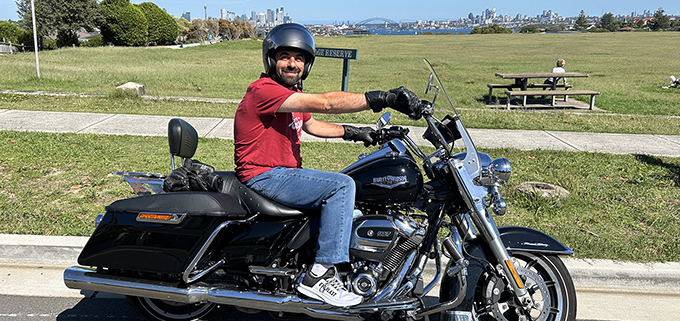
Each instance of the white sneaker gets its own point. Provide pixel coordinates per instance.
(328, 288)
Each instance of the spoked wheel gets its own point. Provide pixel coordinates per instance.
(549, 285)
(154, 310)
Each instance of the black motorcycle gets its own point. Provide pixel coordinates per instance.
(198, 255)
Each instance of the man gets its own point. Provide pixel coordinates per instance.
(267, 129)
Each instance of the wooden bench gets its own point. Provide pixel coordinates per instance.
(511, 86)
(553, 93)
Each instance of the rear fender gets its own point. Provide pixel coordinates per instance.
(515, 239)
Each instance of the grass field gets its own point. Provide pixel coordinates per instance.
(621, 207)
(627, 68)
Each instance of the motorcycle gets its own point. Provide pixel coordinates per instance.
(199, 255)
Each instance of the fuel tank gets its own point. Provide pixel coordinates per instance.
(390, 175)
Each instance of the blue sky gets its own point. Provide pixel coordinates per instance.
(397, 10)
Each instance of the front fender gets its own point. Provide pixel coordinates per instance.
(515, 239)
(523, 239)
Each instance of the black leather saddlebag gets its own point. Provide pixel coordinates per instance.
(158, 233)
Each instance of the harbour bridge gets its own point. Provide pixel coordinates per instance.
(377, 22)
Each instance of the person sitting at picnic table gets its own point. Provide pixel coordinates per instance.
(558, 69)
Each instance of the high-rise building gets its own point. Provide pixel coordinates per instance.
(223, 13)
(270, 16)
(186, 15)
(253, 15)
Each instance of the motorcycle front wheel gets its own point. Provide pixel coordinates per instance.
(161, 310)
(548, 282)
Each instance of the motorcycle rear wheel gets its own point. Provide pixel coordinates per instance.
(161, 310)
(550, 285)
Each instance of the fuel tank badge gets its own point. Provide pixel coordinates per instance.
(390, 181)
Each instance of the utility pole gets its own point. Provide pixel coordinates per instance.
(35, 41)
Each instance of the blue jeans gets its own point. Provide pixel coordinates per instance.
(331, 193)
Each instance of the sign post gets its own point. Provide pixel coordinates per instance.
(345, 54)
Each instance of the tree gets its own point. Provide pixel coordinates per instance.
(528, 29)
(495, 28)
(227, 29)
(581, 22)
(183, 26)
(61, 17)
(125, 24)
(11, 32)
(660, 21)
(163, 29)
(197, 31)
(607, 22)
(212, 27)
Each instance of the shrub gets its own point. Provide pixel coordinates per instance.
(93, 42)
(125, 24)
(163, 29)
(11, 32)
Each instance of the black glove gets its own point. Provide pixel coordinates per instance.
(367, 135)
(400, 99)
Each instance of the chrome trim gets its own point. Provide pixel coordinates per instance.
(390, 181)
(387, 293)
(422, 312)
(144, 183)
(175, 219)
(83, 278)
(186, 276)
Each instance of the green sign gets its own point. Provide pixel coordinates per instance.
(336, 53)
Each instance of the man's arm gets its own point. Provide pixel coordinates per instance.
(320, 128)
(335, 102)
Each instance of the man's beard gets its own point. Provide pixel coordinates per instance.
(289, 80)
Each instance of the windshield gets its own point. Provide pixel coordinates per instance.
(471, 161)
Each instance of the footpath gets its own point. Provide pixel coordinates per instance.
(37, 261)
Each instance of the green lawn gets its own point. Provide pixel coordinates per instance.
(621, 207)
(627, 68)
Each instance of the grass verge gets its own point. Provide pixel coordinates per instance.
(621, 66)
(621, 207)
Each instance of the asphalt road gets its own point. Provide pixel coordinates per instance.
(38, 294)
(592, 306)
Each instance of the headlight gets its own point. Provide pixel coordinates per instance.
(501, 168)
(494, 173)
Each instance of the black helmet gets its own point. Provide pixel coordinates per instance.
(288, 35)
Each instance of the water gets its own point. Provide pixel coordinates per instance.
(397, 32)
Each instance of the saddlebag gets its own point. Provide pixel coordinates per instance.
(158, 233)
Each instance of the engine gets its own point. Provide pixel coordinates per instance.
(379, 244)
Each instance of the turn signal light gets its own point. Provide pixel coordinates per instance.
(514, 274)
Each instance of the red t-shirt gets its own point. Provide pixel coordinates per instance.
(263, 138)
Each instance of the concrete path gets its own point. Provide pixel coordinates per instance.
(124, 124)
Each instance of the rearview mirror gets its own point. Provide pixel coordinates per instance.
(384, 120)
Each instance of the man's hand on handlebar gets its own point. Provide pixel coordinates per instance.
(367, 135)
(399, 99)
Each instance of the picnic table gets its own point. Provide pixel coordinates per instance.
(522, 83)
(522, 80)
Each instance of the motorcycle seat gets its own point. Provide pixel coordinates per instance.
(253, 202)
(190, 203)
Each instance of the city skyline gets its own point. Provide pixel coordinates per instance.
(328, 12)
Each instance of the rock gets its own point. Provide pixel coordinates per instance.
(132, 87)
(543, 189)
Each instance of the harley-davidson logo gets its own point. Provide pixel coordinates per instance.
(390, 181)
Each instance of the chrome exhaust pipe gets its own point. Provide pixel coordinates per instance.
(83, 278)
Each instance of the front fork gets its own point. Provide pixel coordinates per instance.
(487, 230)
